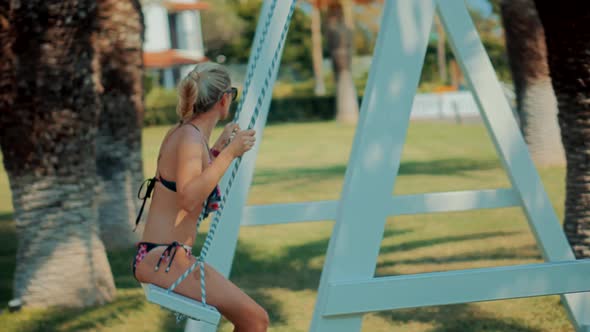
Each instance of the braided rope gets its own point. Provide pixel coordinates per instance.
(254, 62)
(205, 249)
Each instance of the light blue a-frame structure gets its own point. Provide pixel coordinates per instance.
(348, 287)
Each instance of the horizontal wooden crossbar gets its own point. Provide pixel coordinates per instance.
(400, 205)
(441, 288)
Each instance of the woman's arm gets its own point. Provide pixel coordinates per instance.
(225, 137)
(194, 184)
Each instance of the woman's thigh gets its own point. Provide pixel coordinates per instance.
(231, 301)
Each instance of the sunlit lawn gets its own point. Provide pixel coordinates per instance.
(280, 265)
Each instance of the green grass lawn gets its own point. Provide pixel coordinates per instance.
(280, 265)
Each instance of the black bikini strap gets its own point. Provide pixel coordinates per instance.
(167, 252)
(150, 187)
(197, 128)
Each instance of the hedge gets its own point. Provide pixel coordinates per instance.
(161, 108)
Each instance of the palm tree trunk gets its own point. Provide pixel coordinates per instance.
(48, 146)
(567, 34)
(535, 99)
(118, 146)
(61, 260)
(457, 78)
(339, 37)
(441, 51)
(316, 53)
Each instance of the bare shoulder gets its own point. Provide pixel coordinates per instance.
(190, 142)
(168, 135)
(189, 136)
(189, 156)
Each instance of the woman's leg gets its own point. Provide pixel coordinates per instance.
(232, 302)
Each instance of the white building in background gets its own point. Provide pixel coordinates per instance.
(173, 37)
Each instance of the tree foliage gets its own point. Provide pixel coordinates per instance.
(229, 28)
(235, 22)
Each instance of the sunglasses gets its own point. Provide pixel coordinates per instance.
(234, 94)
(233, 91)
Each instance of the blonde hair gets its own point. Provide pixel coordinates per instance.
(201, 89)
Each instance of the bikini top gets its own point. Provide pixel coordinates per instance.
(211, 204)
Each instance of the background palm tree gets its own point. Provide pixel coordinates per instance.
(339, 37)
(339, 26)
(317, 51)
(118, 146)
(441, 51)
(48, 146)
(567, 35)
(535, 99)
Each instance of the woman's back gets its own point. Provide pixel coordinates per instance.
(166, 221)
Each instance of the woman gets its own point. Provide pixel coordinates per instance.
(187, 174)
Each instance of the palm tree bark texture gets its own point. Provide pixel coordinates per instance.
(567, 34)
(118, 147)
(7, 60)
(535, 99)
(48, 143)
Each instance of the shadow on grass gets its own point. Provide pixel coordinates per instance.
(309, 174)
(296, 269)
(450, 166)
(71, 320)
(411, 245)
(522, 253)
(457, 317)
(6, 216)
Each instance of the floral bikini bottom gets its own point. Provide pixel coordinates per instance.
(167, 256)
